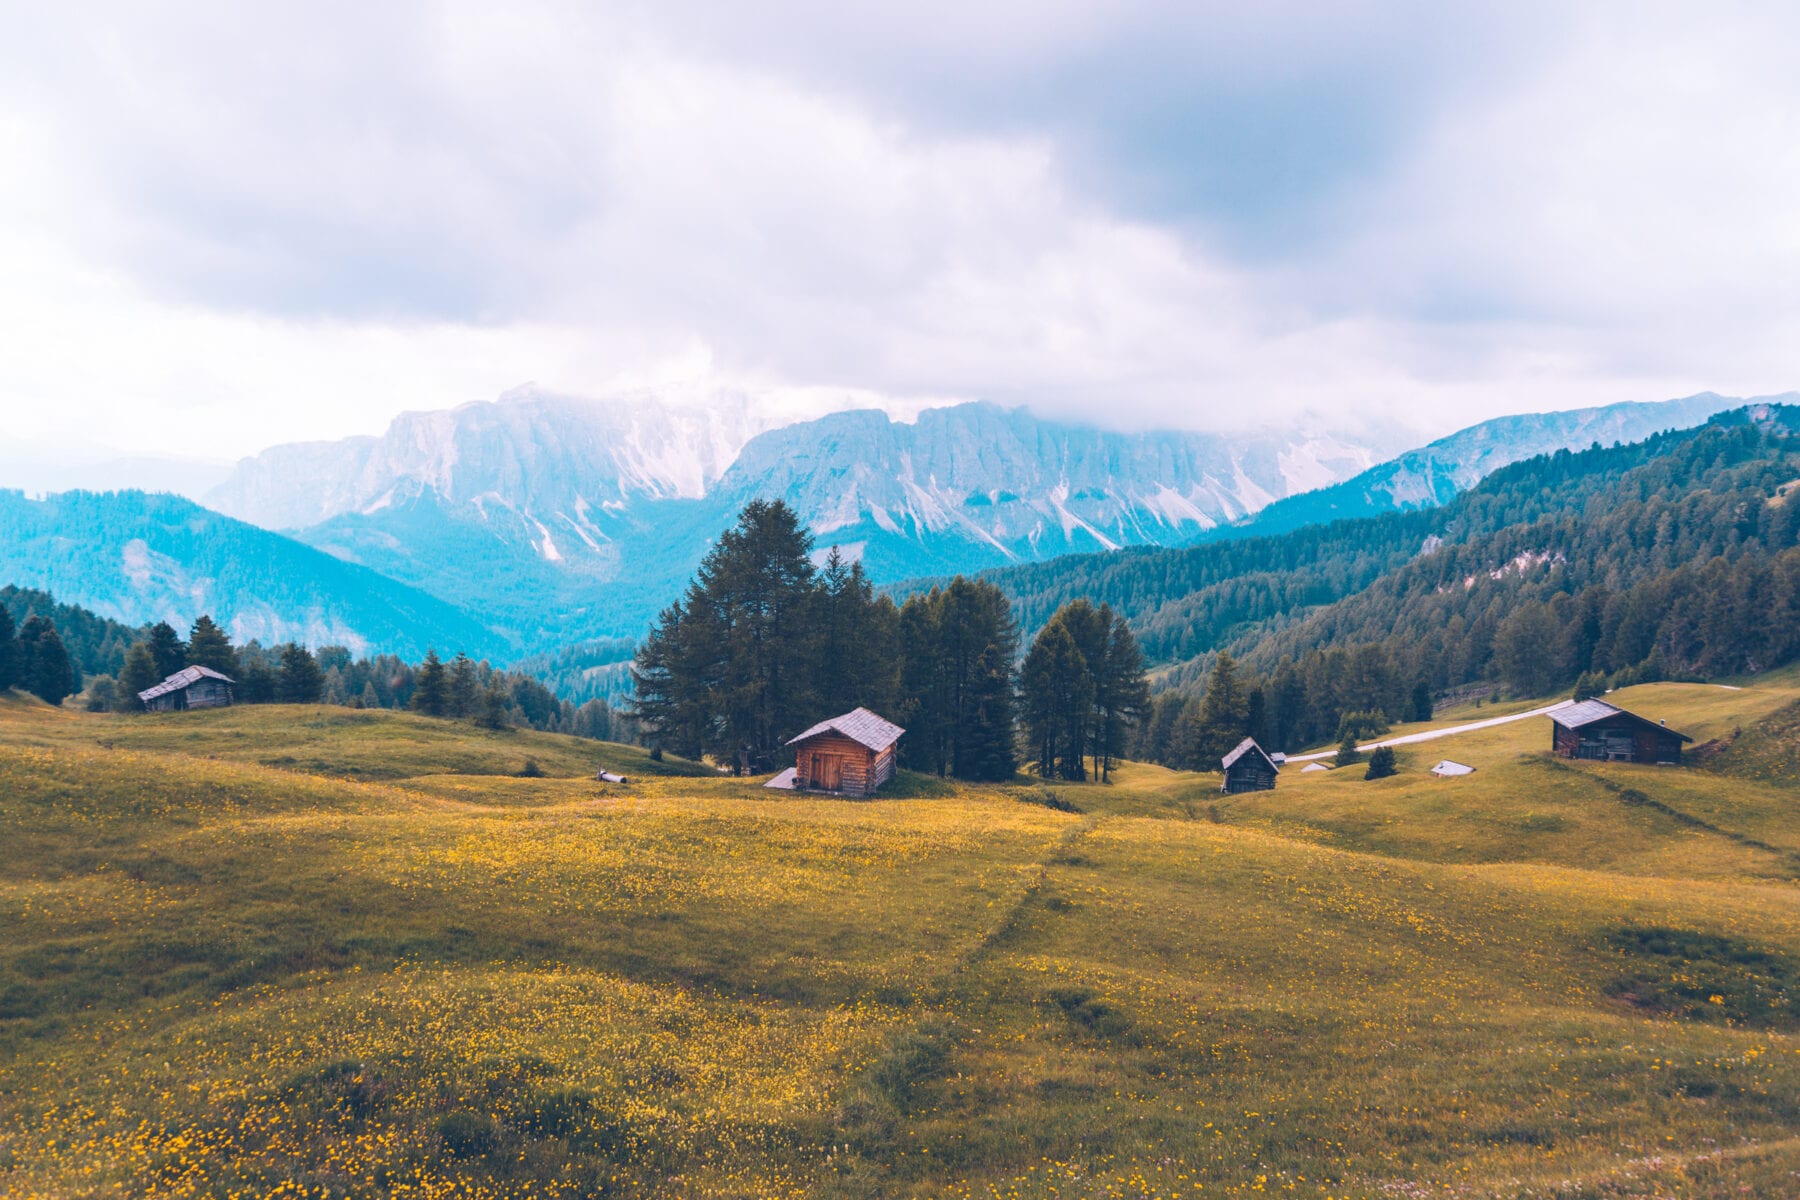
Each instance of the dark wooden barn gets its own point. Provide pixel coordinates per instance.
(1605, 732)
(1248, 769)
(851, 755)
(190, 687)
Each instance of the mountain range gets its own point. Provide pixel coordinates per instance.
(538, 521)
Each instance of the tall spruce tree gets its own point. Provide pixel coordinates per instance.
(9, 651)
(209, 647)
(729, 670)
(166, 650)
(432, 694)
(464, 692)
(48, 673)
(957, 645)
(139, 675)
(1222, 719)
(1057, 692)
(300, 681)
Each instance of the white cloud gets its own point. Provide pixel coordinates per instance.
(251, 224)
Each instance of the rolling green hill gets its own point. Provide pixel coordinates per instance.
(355, 954)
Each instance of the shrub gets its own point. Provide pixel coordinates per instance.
(1045, 798)
(1381, 763)
(531, 770)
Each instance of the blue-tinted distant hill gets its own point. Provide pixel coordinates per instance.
(138, 557)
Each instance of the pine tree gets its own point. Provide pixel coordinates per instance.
(493, 710)
(432, 694)
(1057, 691)
(1222, 719)
(48, 673)
(367, 698)
(1421, 701)
(9, 652)
(139, 675)
(300, 680)
(729, 669)
(166, 650)
(463, 694)
(1122, 696)
(1348, 754)
(209, 647)
(1381, 763)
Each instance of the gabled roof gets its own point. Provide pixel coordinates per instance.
(1588, 712)
(185, 677)
(1450, 766)
(859, 725)
(1244, 747)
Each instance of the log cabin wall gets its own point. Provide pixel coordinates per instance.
(858, 769)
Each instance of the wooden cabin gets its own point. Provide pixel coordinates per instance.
(190, 687)
(1594, 729)
(851, 755)
(1248, 769)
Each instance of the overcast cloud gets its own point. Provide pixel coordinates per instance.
(229, 225)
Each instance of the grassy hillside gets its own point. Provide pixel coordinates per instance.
(354, 954)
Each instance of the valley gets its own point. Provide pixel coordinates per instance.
(355, 953)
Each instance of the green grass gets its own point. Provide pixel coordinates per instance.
(356, 954)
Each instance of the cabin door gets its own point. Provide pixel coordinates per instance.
(828, 770)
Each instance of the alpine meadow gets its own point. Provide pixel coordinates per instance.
(693, 601)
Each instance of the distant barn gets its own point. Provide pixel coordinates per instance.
(190, 687)
(851, 755)
(1594, 729)
(1248, 769)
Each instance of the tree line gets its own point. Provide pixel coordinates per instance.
(33, 657)
(763, 644)
(1629, 566)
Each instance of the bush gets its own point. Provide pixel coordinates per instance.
(531, 770)
(1381, 763)
(1360, 725)
(1045, 798)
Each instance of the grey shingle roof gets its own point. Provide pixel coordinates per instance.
(1586, 712)
(181, 679)
(859, 725)
(1243, 748)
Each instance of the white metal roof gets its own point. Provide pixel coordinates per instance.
(180, 679)
(859, 725)
(1244, 747)
(1451, 767)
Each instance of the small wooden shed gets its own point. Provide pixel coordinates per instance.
(851, 755)
(190, 687)
(1594, 729)
(1248, 769)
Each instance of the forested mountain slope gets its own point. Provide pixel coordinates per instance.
(1673, 555)
(138, 558)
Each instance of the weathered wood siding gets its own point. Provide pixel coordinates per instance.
(860, 771)
(1249, 774)
(203, 693)
(1617, 739)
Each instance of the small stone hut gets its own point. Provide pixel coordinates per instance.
(190, 687)
(851, 755)
(1248, 769)
(1605, 732)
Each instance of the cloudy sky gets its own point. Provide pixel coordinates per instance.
(229, 225)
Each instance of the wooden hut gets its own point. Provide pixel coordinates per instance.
(1597, 730)
(851, 755)
(190, 687)
(1248, 769)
